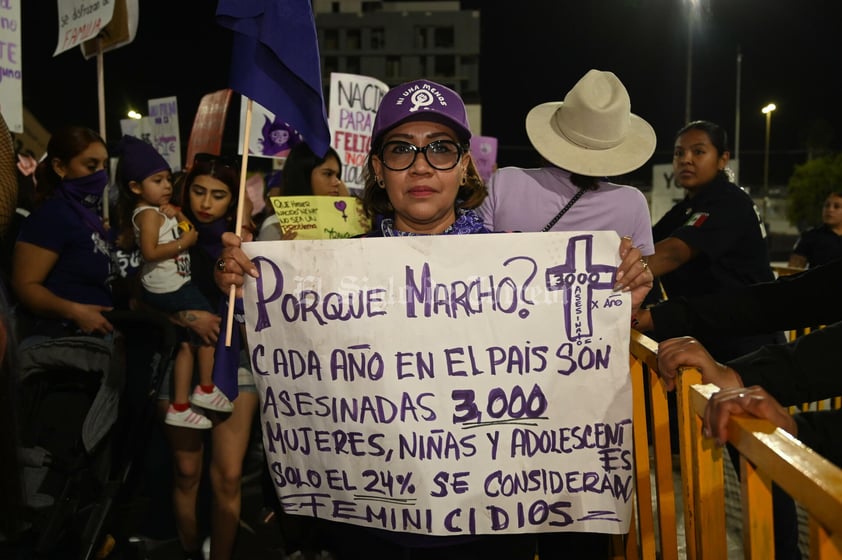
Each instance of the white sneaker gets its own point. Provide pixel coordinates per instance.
(215, 400)
(187, 419)
(206, 548)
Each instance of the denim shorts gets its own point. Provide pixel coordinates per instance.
(186, 297)
(245, 378)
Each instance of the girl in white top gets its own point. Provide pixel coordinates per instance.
(164, 235)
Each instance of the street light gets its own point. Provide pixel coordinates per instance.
(767, 110)
(693, 8)
(735, 159)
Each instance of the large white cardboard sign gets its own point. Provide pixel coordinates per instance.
(446, 385)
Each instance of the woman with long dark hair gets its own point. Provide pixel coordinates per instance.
(61, 265)
(305, 174)
(210, 201)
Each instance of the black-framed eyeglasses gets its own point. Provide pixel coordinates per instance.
(442, 155)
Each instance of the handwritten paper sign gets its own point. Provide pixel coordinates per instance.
(446, 385)
(321, 217)
(165, 134)
(11, 98)
(159, 129)
(80, 20)
(352, 105)
(120, 31)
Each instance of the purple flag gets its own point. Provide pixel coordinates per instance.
(275, 61)
(226, 359)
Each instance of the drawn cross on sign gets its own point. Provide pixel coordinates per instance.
(579, 277)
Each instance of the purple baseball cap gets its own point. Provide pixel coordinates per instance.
(421, 100)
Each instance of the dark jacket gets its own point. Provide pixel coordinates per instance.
(805, 370)
(790, 302)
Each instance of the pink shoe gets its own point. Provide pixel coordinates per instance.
(215, 400)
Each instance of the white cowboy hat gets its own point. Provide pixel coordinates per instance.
(593, 131)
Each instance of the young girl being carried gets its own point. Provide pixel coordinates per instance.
(164, 235)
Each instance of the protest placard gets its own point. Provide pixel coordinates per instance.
(272, 137)
(352, 105)
(166, 137)
(446, 385)
(11, 70)
(208, 125)
(321, 217)
(80, 20)
(159, 129)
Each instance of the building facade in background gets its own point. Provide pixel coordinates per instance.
(397, 42)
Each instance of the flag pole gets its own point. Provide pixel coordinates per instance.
(100, 88)
(232, 293)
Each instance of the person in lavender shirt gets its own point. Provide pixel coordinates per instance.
(588, 137)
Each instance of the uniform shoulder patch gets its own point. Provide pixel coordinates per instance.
(697, 219)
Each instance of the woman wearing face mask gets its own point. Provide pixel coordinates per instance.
(61, 266)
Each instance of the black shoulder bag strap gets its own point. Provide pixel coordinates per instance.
(564, 210)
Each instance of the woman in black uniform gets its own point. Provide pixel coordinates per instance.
(713, 240)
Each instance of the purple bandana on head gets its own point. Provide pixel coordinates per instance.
(139, 160)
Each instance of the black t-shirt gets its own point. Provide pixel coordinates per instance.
(819, 245)
(799, 372)
(790, 302)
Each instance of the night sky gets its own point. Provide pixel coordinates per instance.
(531, 52)
(790, 54)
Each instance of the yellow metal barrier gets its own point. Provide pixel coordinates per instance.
(653, 531)
(786, 270)
(768, 455)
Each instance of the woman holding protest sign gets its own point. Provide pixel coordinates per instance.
(305, 174)
(420, 180)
